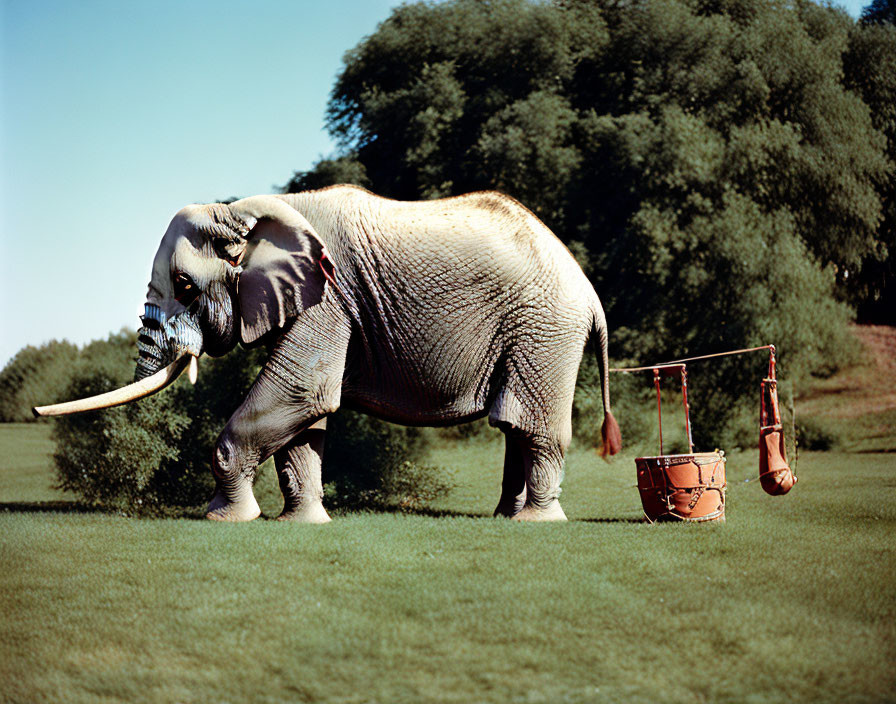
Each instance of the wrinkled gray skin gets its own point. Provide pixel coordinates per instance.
(445, 311)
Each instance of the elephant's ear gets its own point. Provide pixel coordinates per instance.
(282, 266)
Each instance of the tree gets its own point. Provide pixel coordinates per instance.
(869, 67)
(433, 93)
(880, 12)
(646, 132)
(327, 172)
(703, 159)
(38, 376)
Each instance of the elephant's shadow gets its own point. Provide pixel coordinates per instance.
(63, 506)
(610, 519)
(55, 506)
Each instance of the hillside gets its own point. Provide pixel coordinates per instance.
(857, 406)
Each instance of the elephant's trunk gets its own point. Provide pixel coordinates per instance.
(167, 346)
(161, 340)
(139, 389)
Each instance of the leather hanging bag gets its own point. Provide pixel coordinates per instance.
(775, 474)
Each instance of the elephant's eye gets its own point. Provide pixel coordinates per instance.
(185, 291)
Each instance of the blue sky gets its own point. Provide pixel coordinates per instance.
(117, 114)
(114, 115)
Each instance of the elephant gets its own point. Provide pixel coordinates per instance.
(431, 312)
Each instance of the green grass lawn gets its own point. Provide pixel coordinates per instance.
(791, 600)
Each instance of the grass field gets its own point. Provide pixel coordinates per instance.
(791, 600)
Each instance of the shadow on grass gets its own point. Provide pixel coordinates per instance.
(50, 507)
(199, 515)
(612, 520)
(422, 511)
(62, 506)
(447, 513)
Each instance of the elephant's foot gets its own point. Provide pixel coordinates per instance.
(245, 509)
(312, 512)
(508, 508)
(553, 512)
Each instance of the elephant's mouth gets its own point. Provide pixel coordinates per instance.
(160, 340)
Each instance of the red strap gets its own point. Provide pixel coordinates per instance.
(327, 274)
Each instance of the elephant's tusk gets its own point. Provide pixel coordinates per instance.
(131, 392)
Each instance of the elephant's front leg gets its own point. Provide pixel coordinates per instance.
(299, 472)
(234, 464)
(262, 426)
(300, 385)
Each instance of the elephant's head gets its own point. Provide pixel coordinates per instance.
(222, 274)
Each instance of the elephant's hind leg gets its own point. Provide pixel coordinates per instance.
(542, 466)
(533, 470)
(513, 486)
(299, 472)
(537, 435)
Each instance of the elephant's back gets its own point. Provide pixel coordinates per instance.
(488, 234)
(449, 252)
(449, 292)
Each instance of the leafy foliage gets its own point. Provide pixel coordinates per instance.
(327, 172)
(869, 66)
(632, 407)
(32, 377)
(720, 168)
(154, 455)
(816, 435)
(38, 376)
(880, 12)
(372, 464)
(590, 112)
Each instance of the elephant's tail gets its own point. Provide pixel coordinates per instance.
(609, 431)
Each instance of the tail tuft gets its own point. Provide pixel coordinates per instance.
(611, 435)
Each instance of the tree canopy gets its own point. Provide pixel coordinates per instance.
(869, 67)
(880, 12)
(719, 167)
(38, 376)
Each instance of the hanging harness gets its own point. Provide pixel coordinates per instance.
(691, 487)
(775, 474)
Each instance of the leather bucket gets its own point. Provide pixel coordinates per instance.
(683, 487)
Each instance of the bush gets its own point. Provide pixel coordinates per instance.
(38, 376)
(126, 459)
(154, 456)
(477, 429)
(631, 399)
(34, 376)
(813, 435)
(372, 464)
